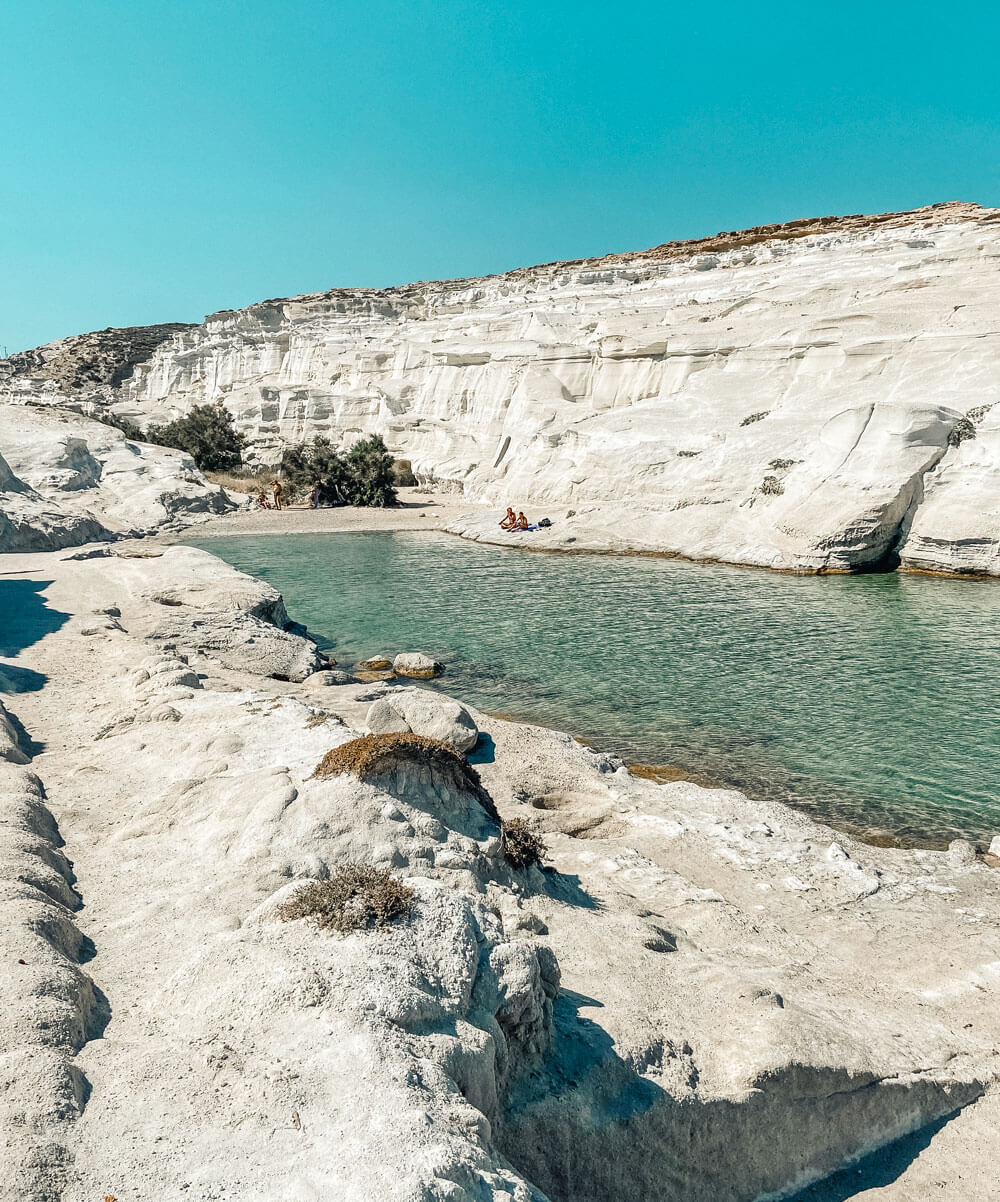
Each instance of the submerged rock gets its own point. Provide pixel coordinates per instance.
(416, 664)
(377, 663)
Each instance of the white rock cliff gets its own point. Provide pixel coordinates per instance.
(820, 395)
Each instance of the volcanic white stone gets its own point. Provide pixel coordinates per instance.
(786, 397)
(66, 479)
(656, 1007)
(415, 663)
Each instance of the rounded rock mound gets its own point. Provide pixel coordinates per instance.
(427, 773)
(422, 713)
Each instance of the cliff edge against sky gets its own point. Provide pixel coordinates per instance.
(820, 395)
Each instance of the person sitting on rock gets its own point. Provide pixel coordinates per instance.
(507, 523)
(262, 501)
(521, 523)
(276, 489)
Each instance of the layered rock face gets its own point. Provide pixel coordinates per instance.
(820, 395)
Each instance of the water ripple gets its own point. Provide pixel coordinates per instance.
(869, 700)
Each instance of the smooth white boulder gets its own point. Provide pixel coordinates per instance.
(423, 713)
(961, 853)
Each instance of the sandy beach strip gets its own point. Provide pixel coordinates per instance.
(417, 510)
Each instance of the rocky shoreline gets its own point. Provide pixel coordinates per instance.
(700, 996)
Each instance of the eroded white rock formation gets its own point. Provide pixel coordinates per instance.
(701, 997)
(820, 395)
(66, 479)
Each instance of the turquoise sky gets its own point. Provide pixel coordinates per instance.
(163, 160)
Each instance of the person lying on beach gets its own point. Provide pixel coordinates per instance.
(507, 523)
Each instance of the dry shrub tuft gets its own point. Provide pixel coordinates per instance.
(374, 756)
(964, 428)
(520, 845)
(356, 897)
(244, 480)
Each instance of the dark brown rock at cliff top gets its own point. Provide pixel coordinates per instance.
(87, 361)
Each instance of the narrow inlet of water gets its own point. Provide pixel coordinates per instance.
(868, 700)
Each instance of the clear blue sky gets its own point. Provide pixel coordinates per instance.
(161, 160)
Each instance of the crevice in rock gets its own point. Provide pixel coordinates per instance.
(891, 558)
(592, 1126)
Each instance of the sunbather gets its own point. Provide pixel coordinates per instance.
(507, 523)
(521, 523)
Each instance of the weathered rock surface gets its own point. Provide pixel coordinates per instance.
(29, 523)
(66, 479)
(199, 608)
(10, 743)
(819, 395)
(49, 1007)
(701, 997)
(416, 664)
(326, 677)
(375, 663)
(423, 713)
(86, 361)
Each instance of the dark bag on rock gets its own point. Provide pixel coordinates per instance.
(544, 522)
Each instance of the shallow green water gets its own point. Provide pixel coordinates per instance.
(870, 700)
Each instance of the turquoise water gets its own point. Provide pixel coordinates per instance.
(869, 700)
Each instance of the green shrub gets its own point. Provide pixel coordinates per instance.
(207, 434)
(755, 417)
(771, 486)
(365, 476)
(356, 897)
(129, 429)
(372, 478)
(313, 463)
